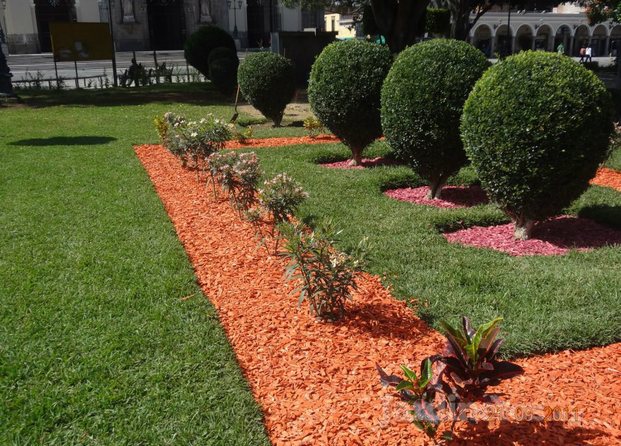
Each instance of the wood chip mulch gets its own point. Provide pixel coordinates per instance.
(316, 382)
(451, 196)
(281, 141)
(608, 178)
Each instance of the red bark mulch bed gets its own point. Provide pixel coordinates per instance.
(316, 382)
(451, 196)
(555, 236)
(366, 163)
(281, 141)
(608, 178)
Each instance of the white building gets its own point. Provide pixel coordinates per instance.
(150, 24)
(567, 25)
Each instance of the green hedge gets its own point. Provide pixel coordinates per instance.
(438, 21)
(267, 81)
(223, 63)
(422, 101)
(536, 127)
(200, 44)
(344, 91)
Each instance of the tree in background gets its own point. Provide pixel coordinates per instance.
(402, 21)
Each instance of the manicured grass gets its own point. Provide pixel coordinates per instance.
(548, 303)
(98, 344)
(614, 162)
(104, 336)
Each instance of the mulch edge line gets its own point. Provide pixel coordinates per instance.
(309, 410)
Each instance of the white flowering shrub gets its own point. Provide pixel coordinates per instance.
(324, 274)
(193, 140)
(238, 174)
(281, 196)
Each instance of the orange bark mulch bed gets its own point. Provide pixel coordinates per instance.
(281, 141)
(608, 178)
(316, 382)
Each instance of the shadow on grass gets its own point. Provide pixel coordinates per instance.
(534, 432)
(64, 141)
(193, 93)
(606, 215)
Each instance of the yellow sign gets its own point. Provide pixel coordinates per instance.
(80, 41)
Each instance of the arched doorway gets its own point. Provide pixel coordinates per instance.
(615, 41)
(48, 11)
(523, 38)
(482, 39)
(563, 36)
(598, 41)
(503, 46)
(542, 39)
(581, 39)
(166, 24)
(258, 23)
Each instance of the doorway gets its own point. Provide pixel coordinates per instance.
(166, 24)
(47, 11)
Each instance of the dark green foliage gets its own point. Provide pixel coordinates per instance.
(200, 44)
(422, 101)
(223, 63)
(438, 21)
(536, 128)
(344, 91)
(267, 81)
(369, 26)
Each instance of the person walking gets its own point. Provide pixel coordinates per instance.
(588, 54)
(560, 48)
(582, 54)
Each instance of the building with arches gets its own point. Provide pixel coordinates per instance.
(150, 24)
(496, 34)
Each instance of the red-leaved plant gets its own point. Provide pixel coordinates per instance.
(462, 376)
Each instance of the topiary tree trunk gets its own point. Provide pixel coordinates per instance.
(356, 158)
(435, 189)
(523, 227)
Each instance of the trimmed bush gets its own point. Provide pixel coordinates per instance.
(223, 64)
(200, 44)
(422, 100)
(438, 21)
(536, 127)
(344, 91)
(267, 81)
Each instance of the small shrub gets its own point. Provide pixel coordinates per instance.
(438, 21)
(193, 140)
(223, 63)
(313, 126)
(422, 101)
(326, 276)
(344, 91)
(220, 167)
(536, 127)
(199, 45)
(267, 81)
(281, 196)
(465, 371)
(242, 136)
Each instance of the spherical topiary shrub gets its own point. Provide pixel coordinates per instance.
(536, 126)
(344, 91)
(198, 46)
(223, 64)
(422, 100)
(267, 81)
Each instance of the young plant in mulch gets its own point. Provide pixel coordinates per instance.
(450, 383)
(326, 275)
(192, 140)
(313, 127)
(280, 197)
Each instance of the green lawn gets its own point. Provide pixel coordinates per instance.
(548, 303)
(97, 345)
(105, 339)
